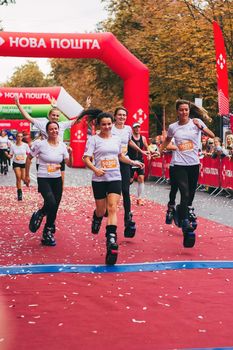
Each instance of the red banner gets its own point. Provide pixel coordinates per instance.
(227, 173)
(209, 172)
(29, 95)
(216, 173)
(222, 75)
(156, 167)
(78, 141)
(19, 125)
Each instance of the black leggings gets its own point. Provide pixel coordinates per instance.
(186, 178)
(125, 175)
(174, 187)
(3, 157)
(51, 191)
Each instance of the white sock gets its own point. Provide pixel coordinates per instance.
(140, 189)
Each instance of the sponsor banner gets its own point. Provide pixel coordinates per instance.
(216, 173)
(222, 73)
(78, 138)
(20, 125)
(35, 111)
(156, 167)
(209, 172)
(50, 44)
(227, 173)
(103, 46)
(42, 95)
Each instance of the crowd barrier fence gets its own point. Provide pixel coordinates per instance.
(214, 172)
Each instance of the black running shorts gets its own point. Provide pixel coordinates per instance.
(103, 188)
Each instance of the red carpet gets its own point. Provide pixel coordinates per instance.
(177, 309)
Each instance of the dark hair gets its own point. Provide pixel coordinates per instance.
(119, 108)
(195, 111)
(47, 125)
(94, 115)
(182, 102)
(102, 116)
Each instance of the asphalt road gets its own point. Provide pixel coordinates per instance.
(218, 209)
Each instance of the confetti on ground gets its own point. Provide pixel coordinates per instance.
(82, 310)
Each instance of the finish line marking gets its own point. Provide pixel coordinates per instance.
(121, 268)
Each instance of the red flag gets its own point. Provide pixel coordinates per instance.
(222, 75)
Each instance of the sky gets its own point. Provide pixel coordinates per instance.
(47, 16)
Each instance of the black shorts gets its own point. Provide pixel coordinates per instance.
(139, 171)
(103, 188)
(17, 165)
(63, 164)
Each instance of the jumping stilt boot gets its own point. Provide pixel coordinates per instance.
(19, 194)
(111, 245)
(188, 233)
(192, 217)
(96, 223)
(170, 214)
(36, 220)
(130, 227)
(48, 236)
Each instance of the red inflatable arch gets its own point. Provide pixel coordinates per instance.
(102, 46)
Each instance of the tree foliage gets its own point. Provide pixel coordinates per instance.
(29, 75)
(80, 78)
(174, 38)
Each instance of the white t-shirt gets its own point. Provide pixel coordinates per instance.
(4, 142)
(49, 158)
(187, 140)
(19, 152)
(40, 124)
(125, 135)
(33, 145)
(105, 153)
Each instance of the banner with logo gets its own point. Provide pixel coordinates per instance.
(37, 102)
(222, 74)
(227, 173)
(78, 142)
(156, 167)
(19, 125)
(102, 46)
(209, 172)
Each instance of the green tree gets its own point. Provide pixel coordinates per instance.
(80, 77)
(29, 75)
(174, 38)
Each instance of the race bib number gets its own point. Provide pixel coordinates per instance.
(108, 163)
(185, 146)
(124, 149)
(53, 168)
(20, 157)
